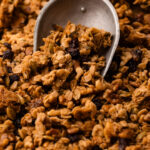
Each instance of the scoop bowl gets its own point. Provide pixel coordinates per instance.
(92, 13)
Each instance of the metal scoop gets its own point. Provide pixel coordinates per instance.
(92, 13)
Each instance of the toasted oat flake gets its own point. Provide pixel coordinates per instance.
(56, 99)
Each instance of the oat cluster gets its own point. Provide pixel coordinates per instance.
(56, 99)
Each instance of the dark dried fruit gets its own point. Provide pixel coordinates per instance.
(85, 67)
(137, 56)
(7, 45)
(98, 102)
(96, 147)
(132, 65)
(8, 54)
(9, 69)
(114, 140)
(17, 121)
(122, 143)
(74, 48)
(148, 66)
(138, 15)
(56, 125)
(2, 111)
(84, 58)
(13, 78)
(74, 52)
(73, 137)
(46, 88)
(74, 43)
(1, 34)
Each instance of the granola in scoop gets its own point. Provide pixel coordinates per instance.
(56, 99)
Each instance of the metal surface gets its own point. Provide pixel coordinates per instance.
(97, 13)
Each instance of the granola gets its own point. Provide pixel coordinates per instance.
(56, 99)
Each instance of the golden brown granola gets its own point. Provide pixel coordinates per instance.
(55, 98)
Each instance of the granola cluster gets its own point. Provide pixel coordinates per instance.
(56, 99)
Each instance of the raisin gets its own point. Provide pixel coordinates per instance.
(122, 143)
(85, 67)
(148, 66)
(2, 111)
(1, 34)
(114, 140)
(56, 125)
(9, 69)
(7, 45)
(74, 48)
(84, 58)
(132, 63)
(137, 54)
(8, 54)
(46, 88)
(96, 147)
(13, 78)
(98, 102)
(73, 137)
(138, 16)
(74, 52)
(74, 43)
(17, 121)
